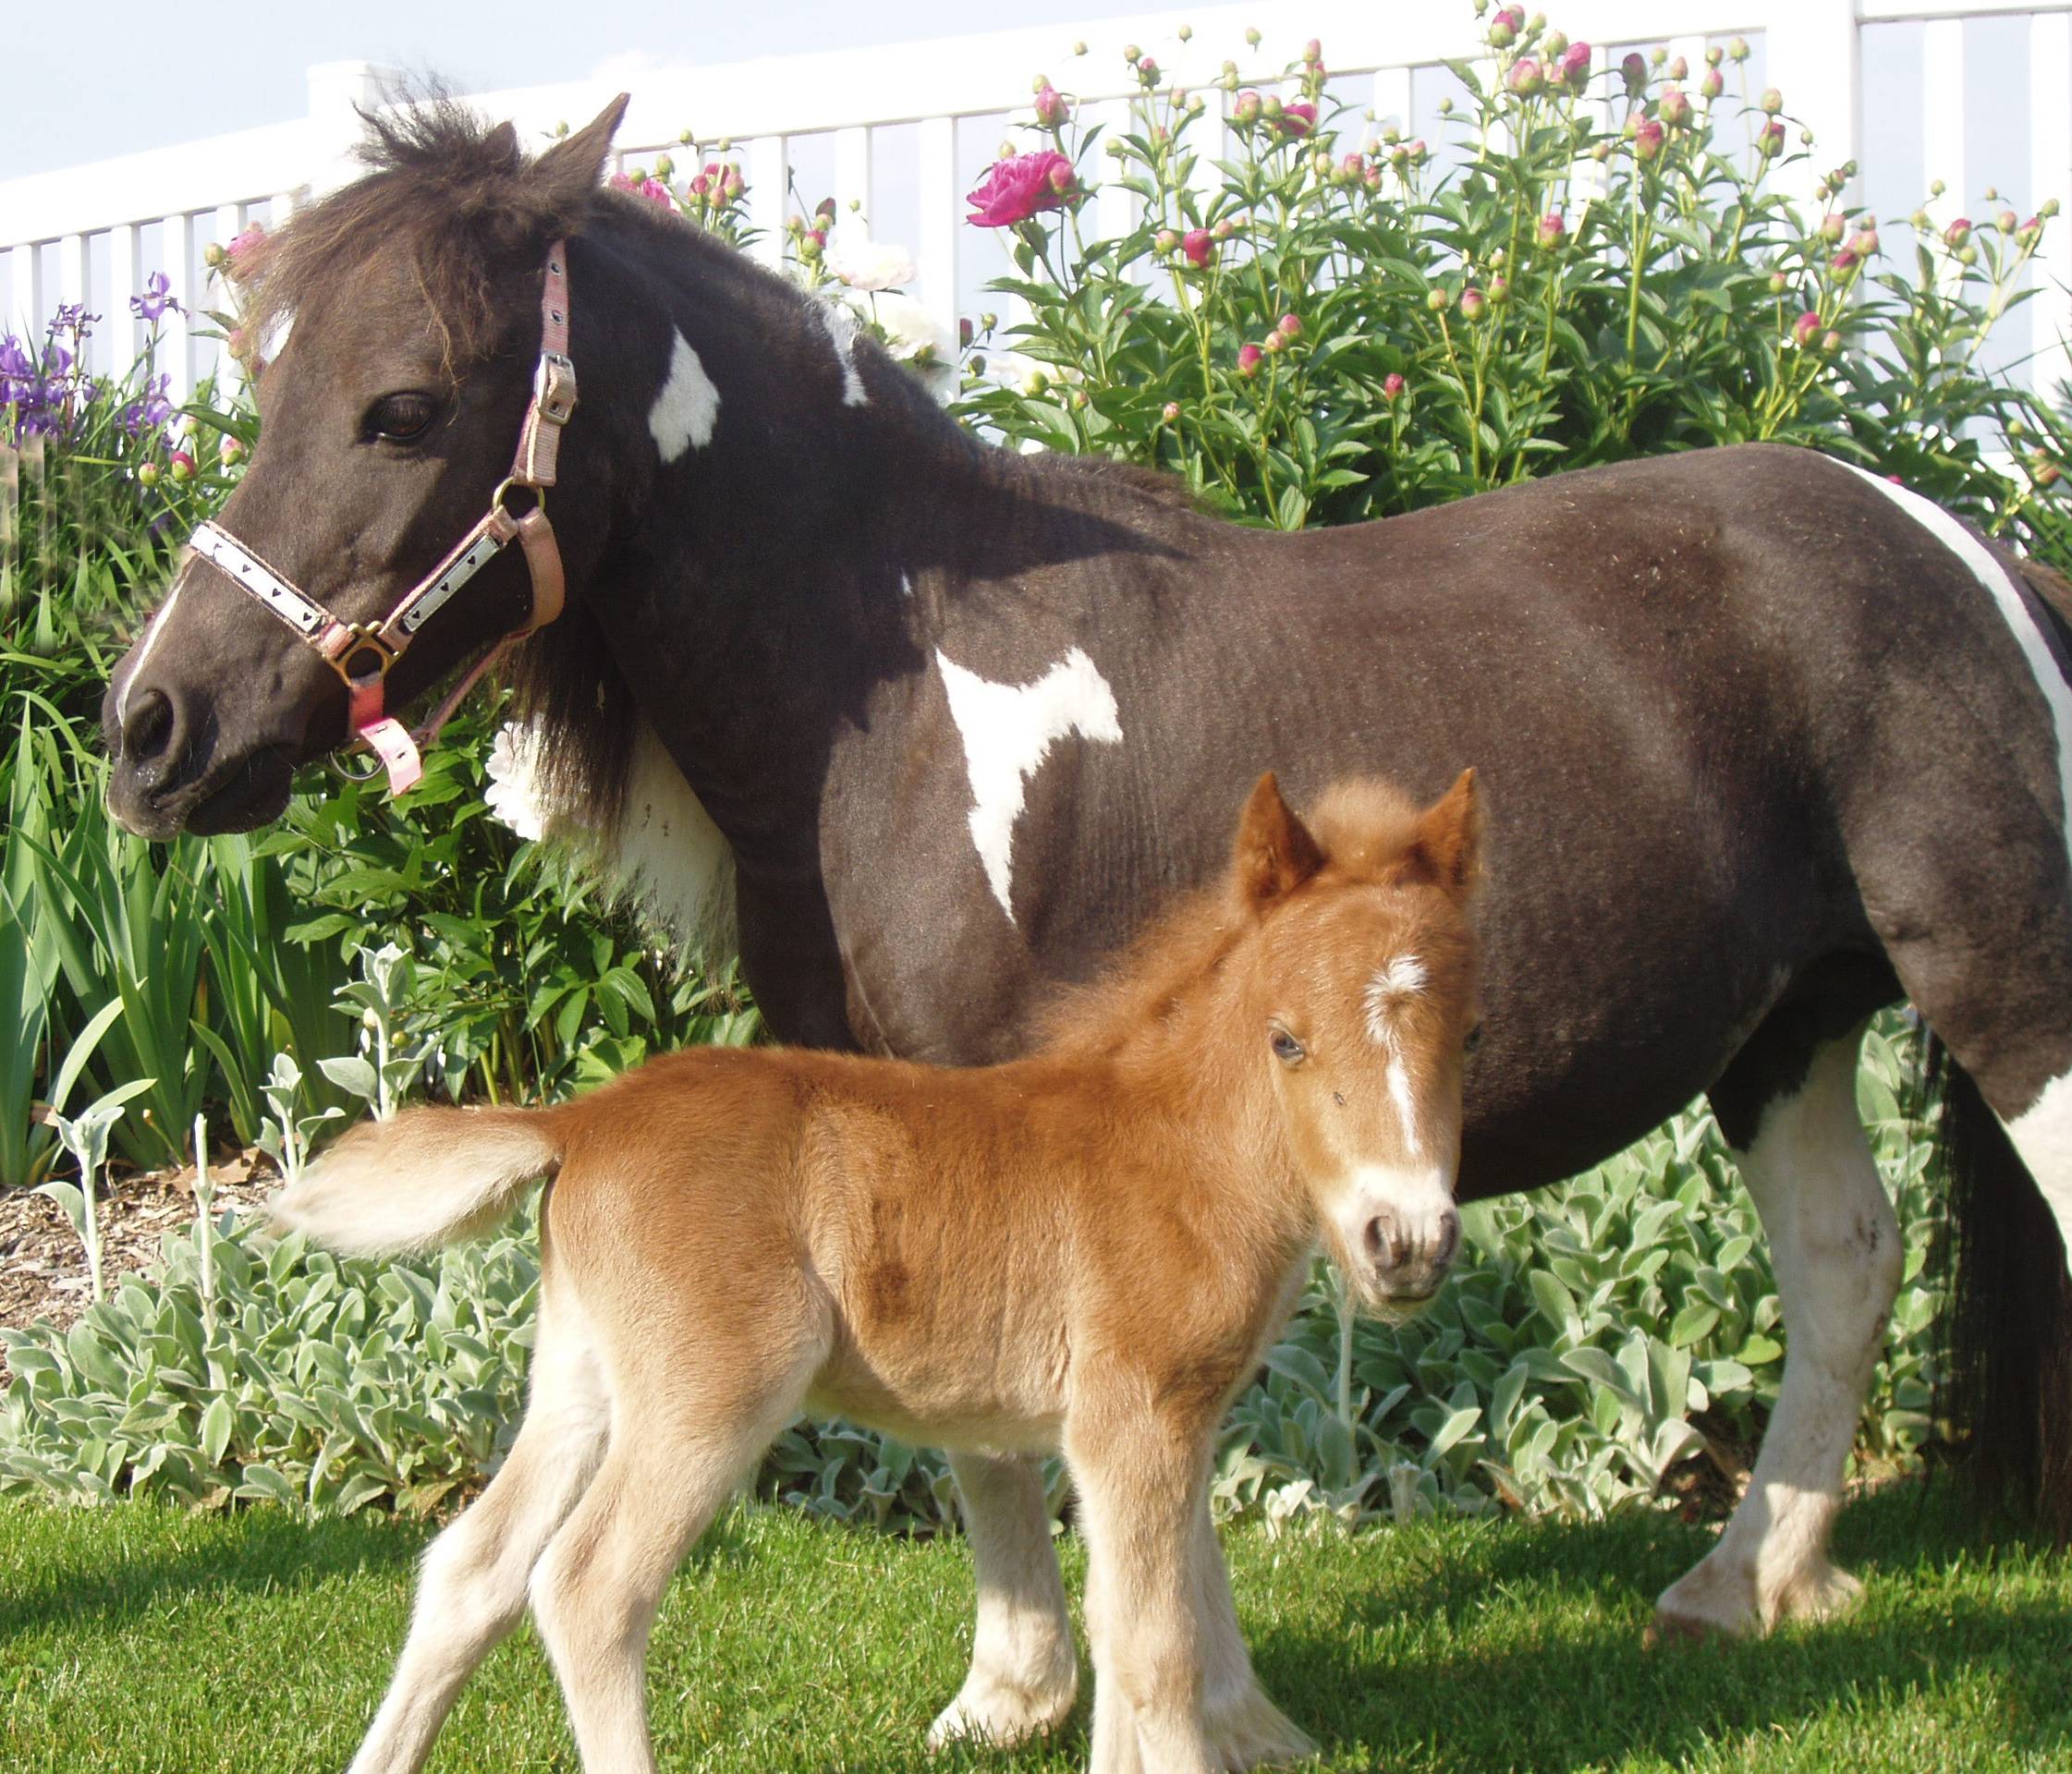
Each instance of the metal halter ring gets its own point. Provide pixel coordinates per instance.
(507, 485)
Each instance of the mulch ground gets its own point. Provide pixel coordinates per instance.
(42, 1264)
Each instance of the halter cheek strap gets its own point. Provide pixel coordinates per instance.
(361, 654)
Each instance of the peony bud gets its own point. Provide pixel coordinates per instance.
(1291, 326)
(1779, 283)
(1393, 385)
(1499, 291)
(1633, 70)
(1437, 301)
(1312, 52)
(1170, 412)
(1806, 327)
(181, 466)
(230, 452)
(1051, 107)
(1473, 304)
(1575, 65)
(1832, 226)
(1714, 84)
(1249, 357)
(1844, 263)
(1772, 101)
(2006, 222)
(1679, 69)
(1864, 242)
(147, 474)
(1957, 233)
(1737, 50)
(1647, 139)
(1552, 230)
(1272, 344)
(1195, 243)
(1770, 139)
(1524, 78)
(1674, 106)
(1247, 109)
(1830, 343)
(1164, 240)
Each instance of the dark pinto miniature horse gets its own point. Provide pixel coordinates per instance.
(1769, 742)
(1087, 1250)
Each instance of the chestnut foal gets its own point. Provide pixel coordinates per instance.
(1087, 1250)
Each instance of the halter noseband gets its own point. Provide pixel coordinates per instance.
(361, 654)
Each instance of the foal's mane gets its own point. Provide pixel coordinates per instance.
(1367, 830)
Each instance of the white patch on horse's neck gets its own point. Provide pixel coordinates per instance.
(1009, 730)
(2013, 612)
(841, 328)
(1403, 977)
(151, 639)
(664, 856)
(905, 586)
(688, 407)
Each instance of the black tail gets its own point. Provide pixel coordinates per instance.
(2005, 1384)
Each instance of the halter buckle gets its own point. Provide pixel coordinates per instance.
(347, 644)
(554, 388)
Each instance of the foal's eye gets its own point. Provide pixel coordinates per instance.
(1287, 1049)
(1474, 1038)
(400, 418)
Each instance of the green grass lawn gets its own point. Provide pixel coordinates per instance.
(136, 1640)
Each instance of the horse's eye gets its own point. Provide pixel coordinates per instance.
(401, 418)
(1474, 1038)
(1287, 1049)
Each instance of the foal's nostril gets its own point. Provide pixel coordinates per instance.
(147, 727)
(1383, 1250)
(1449, 1238)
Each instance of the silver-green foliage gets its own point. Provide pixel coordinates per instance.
(1593, 1337)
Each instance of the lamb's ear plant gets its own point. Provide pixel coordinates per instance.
(85, 1137)
(380, 998)
(285, 1136)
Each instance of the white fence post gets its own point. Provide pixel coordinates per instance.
(769, 176)
(1943, 116)
(2049, 175)
(1815, 61)
(940, 222)
(338, 92)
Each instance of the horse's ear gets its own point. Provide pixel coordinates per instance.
(1449, 836)
(570, 171)
(1275, 852)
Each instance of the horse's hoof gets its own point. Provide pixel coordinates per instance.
(999, 1713)
(1709, 1603)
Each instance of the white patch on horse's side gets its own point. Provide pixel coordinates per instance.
(2042, 1134)
(688, 407)
(905, 586)
(664, 856)
(1403, 977)
(1009, 730)
(151, 639)
(841, 327)
(2057, 694)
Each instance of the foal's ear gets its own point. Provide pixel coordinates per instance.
(570, 171)
(1448, 839)
(1275, 852)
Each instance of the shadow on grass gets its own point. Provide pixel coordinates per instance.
(170, 1557)
(1580, 1691)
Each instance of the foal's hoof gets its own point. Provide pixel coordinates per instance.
(988, 1711)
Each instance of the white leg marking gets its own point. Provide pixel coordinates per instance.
(2036, 651)
(2042, 1134)
(1009, 730)
(841, 328)
(688, 407)
(665, 854)
(1023, 1674)
(150, 641)
(1835, 1245)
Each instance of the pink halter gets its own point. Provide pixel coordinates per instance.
(361, 654)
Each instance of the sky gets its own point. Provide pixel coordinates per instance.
(173, 83)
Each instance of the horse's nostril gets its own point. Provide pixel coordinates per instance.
(147, 727)
(1380, 1242)
(1449, 1238)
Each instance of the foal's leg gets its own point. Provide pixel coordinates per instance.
(1246, 1729)
(1024, 1675)
(1140, 1483)
(473, 1588)
(687, 1427)
(1835, 1246)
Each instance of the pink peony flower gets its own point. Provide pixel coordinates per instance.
(1196, 243)
(653, 189)
(1019, 187)
(245, 253)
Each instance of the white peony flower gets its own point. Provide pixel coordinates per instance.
(516, 794)
(870, 264)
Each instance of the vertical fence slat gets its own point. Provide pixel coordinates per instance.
(75, 279)
(1392, 102)
(769, 189)
(2049, 175)
(852, 181)
(178, 358)
(1814, 54)
(1115, 208)
(937, 180)
(124, 331)
(1942, 113)
(25, 291)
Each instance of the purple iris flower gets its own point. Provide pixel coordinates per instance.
(157, 298)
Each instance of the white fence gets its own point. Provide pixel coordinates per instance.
(905, 130)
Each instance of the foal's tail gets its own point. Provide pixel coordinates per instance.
(2006, 1380)
(430, 1176)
